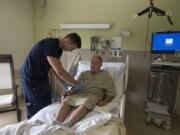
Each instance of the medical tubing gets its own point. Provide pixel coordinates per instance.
(147, 37)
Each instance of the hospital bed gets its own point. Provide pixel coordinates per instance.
(106, 120)
(118, 71)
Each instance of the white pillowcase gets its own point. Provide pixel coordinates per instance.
(115, 69)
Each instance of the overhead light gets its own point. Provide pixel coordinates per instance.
(85, 26)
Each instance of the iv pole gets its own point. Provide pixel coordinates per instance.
(158, 12)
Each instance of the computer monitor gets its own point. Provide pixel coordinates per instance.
(165, 42)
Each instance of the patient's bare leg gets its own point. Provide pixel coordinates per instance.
(78, 114)
(64, 111)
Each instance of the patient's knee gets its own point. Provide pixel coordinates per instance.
(84, 107)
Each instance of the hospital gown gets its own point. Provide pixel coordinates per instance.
(96, 88)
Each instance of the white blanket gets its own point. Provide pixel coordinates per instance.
(35, 128)
(93, 124)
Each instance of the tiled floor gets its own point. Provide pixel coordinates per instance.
(136, 123)
(10, 117)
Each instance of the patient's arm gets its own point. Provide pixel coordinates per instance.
(106, 100)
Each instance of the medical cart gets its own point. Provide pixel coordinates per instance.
(158, 112)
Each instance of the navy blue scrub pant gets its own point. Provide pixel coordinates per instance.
(37, 95)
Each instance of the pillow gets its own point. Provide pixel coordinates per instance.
(115, 69)
(82, 66)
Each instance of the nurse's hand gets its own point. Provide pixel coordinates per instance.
(66, 85)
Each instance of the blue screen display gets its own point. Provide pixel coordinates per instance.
(166, 42)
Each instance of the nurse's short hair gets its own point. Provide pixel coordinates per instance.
(75, 38)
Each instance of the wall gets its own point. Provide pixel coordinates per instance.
(16, 28)
(118, 13)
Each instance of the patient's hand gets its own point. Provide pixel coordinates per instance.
(63, 93)
(71, 92)
(68, 93)
(106, 100)
(101, 103)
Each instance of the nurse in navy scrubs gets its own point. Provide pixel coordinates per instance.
(34, 71)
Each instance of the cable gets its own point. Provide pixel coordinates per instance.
(147, 37)
(150, 11)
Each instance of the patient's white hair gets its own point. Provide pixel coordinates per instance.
(99, 57)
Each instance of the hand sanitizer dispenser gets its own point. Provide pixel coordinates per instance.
(116, 46)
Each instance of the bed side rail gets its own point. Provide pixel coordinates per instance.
(126, 73)
(73, 65)
(122, 107)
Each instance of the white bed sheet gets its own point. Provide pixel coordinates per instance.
(90, 122)
(48, 114)
(99, 123)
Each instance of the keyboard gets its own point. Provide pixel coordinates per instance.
(166, 63)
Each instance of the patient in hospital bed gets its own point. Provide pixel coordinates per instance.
(99, 90)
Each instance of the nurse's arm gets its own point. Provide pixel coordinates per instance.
(60, 71)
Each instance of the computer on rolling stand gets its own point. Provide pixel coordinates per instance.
(163, 43)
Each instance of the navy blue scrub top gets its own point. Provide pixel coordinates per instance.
(36, 65)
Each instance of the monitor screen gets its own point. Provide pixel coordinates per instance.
(165, 42)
